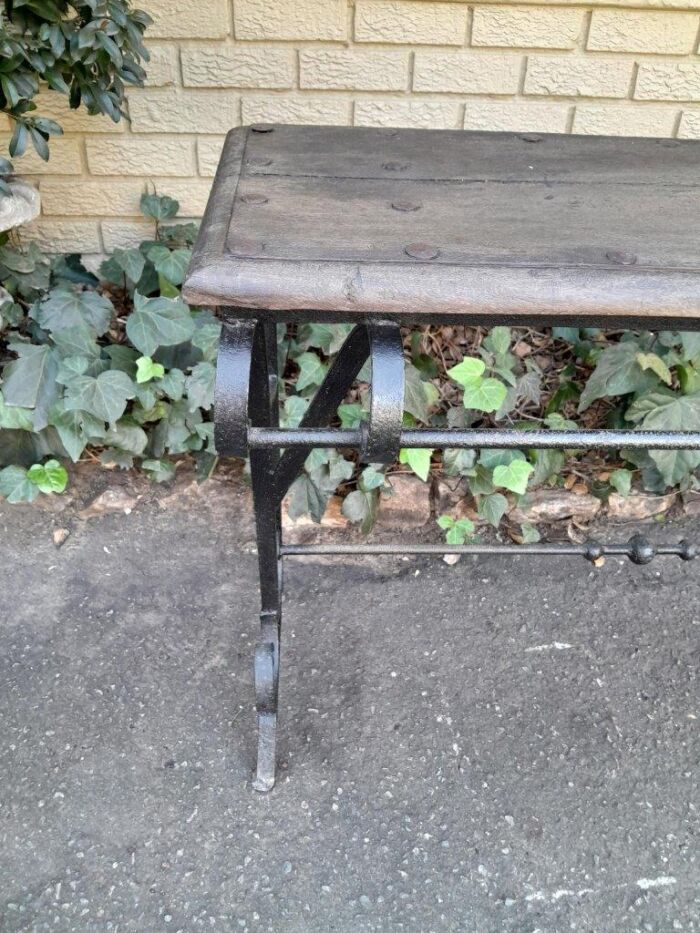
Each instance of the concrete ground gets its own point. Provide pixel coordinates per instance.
(503, 745)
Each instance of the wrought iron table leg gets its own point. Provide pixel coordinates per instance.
(263, 409)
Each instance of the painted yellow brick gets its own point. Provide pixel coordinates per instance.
(208, 154)
(188, 19)
(467, 72)
(526, 27)
(668, 81)
(55, 106)
(64, 157)
(131, 156)
(102, 198)
(162, 69)
(290, 19)
(632, 31)
(183, 111)
(410, 22)
(125, 234)
(440, 114)
(237, 66)
(298, 109)
(63, 236)
(690, 125)
(637, 4)
(516, 116)
(624, 120)
(354, 69)
(571, 76)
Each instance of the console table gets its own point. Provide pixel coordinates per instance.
(382, 227)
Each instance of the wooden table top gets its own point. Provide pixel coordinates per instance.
(342, 223)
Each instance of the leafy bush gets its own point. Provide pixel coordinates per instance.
(515, 378)
(124, 367)
(89, 50)
(122, 370)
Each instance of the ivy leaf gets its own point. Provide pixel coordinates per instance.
(130, 261)
(105, 396)
(690, 341)
(293, 410)
(419, 395)
(485, 395)
(418, 459)
(173, 384)
(529, 533)
(125, 436)
(171, 264)
(460, 532)
(458, 461)
(306, 498)
(469, 371)
(312, 371)
(30, 380)
(361, 508)
(492, 508)
(457, 531)
(499, 340)
(49, 477)
(75, 429)
(371, 478)
(159, 207)
(15, 485)
(66, 307)
(664, 411)
(158, 322)
(70, 367)
(199, 386)
(617, 372)
(146, 370)
(514, 476)
(78, 340)
(160, 471)
(206, 338)
(15, 419)
(493, 457)
(621, 480)
(350, 415)
(656, 365)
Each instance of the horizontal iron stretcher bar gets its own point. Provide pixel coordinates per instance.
(479, 438)
(638, 549)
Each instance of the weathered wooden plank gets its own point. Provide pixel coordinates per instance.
(517, 223)
(301, 221)
(363, 152)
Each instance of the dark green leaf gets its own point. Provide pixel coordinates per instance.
(105, 397)
(15, 485)
(158, 322)
(30, 381)
(492, 508)
(617, 372)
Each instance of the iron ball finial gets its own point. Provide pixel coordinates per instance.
(641, 551)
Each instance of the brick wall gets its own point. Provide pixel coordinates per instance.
(626, 66)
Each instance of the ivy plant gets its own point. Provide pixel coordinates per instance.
(119, 366)
(89, 50)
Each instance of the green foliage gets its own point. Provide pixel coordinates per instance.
(457, 530)
(89, 50)
(72, 378)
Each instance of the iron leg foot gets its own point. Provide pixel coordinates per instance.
(265, 775)
(266, 693)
